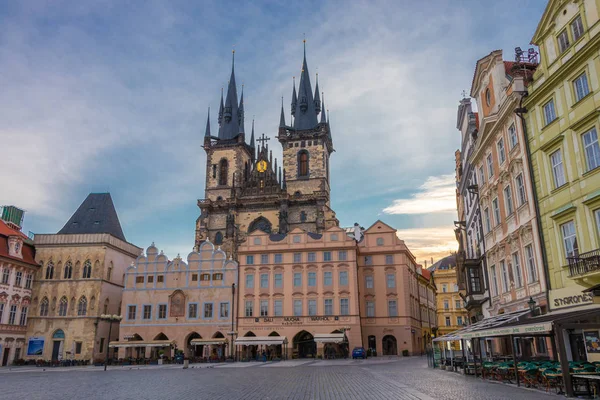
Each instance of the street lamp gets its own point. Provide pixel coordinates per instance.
(110, 319)
(531, 303)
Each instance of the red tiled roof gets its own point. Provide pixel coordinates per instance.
(426, 274)
(28, 250)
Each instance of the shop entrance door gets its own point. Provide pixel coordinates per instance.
(5, 357)
(577, 347)
(55, 349)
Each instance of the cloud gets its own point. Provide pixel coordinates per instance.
(436, 195)
(427, 243)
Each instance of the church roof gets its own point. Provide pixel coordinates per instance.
(96, 214)
(305, 113)
(231, 117)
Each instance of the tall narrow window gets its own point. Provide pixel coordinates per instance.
(512, 135)
(521, 189)
(208, 310)
(328, 303)
(504, 273)
(278, 280)
(570, 239)
(44, 307)
(50, 270)
(563, 40)
(580, 85)
(28, 281)
(496, 209)
(82, 306)
(218, 238)
(557, 168)
(264, 308)
(327, 278)
(312, 307)
(501, 151)
(249, 281)
(249, 308)
(392, 308)
(549, 112)
(87, 269)
(517, 270)
(369, 281)
(344, 307)
(592, 150)
(312, 279)
(12, 315)
(223, 171)
(23, 318)
(488, 223)
(297, 308)
(343, 278)
(531, 267)
(264, 281)
(508, 200)
(278, 308)
(62, 307)
(297, 279)
(370, 308)
(68, 270)
(490, 166)
(303, 163)
(18, 278)
(494, 281)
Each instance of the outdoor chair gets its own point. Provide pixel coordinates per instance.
(531, 376)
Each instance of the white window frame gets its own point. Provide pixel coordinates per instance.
(392, 310)
(520, 183)
(516, 264)
(369, 281)
(591, 149)
(370, 308)
(532, 274)
(558, 172)
(501, 151)
(504, 276)
(488, 222)
(577, 28)
(581, 87)
(569, 237)
(508, 200)
(563, 40)
(297, 307)
(512, 135)
(278, 307)
(494, 280)
(312, 307)
(496, 211)
(549, 111)
(490, 166)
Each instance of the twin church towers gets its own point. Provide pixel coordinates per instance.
(247, 190)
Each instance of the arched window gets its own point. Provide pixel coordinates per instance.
(303, 163)
(68, 270)
(219, 238)
(223, 171)
(62, 307)
(44, 307)
(87, 269)
(82, 306)
(260, 223)
(50, 270)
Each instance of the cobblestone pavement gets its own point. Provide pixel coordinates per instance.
(383, 378)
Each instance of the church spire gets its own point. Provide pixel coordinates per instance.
(207, 132)
(282, 117)
(317, 99)
(306, 115)
(230, 127)
(221, 107)
(241, 111)
(323, 116)
(252, 135)
(294, 96)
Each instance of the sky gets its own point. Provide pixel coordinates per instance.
(100, 96)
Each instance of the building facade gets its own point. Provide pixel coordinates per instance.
(499, 157)
(17, 270)
(173, 305)
(389, 293)
(563, 122)
(302, 288)
(427, 306)
(81, 276)
(245, 188)
(471, 262)
(451, 312)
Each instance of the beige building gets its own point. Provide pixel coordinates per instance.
(451, 313)
(389, 293)
(300, 288)
(81, 277)
(169, 305)
(17, 269)
(427, 305)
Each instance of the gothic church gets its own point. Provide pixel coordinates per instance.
(245, 188)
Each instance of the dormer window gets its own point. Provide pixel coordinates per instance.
(15, 247)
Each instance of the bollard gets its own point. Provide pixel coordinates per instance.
(186, 363)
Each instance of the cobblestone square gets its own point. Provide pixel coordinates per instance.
(382, 378)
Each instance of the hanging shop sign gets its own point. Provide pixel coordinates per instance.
(509, 330)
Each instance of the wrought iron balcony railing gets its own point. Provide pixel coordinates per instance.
(584, 263)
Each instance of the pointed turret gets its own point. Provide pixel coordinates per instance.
(230, 127)
(306, 115)
(323, 116)
(282, 117)
(221, 107)
(275, 167)
(317, 99)
(294, 96)
(207, 132)
(252, 135)
(241, 112)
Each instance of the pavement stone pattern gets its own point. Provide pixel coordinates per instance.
(379, 378)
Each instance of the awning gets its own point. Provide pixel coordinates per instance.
(202, 342)
(329, 337)
(142, 343)
(260, 340)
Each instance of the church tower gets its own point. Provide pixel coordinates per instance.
(245, 190)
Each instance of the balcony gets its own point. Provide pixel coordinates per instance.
(584, 263)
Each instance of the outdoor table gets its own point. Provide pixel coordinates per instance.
(559, 382)
(589, 376)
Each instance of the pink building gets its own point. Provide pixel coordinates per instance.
(17, 269)
(389, 293)
(298, 295)
(171, 305)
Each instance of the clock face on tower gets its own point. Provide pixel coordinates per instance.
(261, 166)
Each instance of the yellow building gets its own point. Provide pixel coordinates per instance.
(451, 314)
(563, 122)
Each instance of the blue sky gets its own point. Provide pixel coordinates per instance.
(112, 96)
